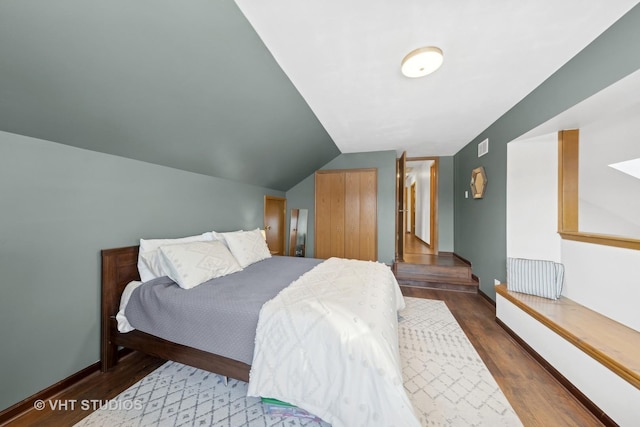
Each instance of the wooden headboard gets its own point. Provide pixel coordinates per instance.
(119, 267)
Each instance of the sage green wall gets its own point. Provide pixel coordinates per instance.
(303, 196)
(445, 204)
(59, 206)
(185, 84)
(480, 225)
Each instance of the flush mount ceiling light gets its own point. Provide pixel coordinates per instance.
(422, 61)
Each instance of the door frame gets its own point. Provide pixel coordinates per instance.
(282, 220)
(435, 169)
(401, 205)
(412, 209)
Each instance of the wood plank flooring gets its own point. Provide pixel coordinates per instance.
(97, 386)
(536, 396)
(421, 268)
(416, 251)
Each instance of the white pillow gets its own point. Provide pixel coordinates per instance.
(535, 277)
(247, 246)
(149, 258)
(123, 323)
(191, 264)
(220, 236)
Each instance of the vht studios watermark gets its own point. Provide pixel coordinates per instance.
(87, 405)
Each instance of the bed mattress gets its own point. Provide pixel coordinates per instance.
(219, 316)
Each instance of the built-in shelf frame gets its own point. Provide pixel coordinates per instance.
(568, 196)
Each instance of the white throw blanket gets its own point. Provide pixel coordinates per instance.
(328, 343)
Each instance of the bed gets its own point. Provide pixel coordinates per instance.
(119, 267)
(315, 301)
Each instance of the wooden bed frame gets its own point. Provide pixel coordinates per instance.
(119, 267)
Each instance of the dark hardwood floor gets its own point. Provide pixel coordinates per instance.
(97, 386)
(536, 396)
(415, 250)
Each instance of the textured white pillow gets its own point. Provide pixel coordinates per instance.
(247, 246)
(220, 236)
(191, 264)
(149, 265)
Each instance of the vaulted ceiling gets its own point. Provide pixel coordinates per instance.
(187, 84)
(267, 92)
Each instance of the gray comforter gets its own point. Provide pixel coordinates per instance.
(219, 316)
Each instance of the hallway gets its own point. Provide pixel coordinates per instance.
(413, 245)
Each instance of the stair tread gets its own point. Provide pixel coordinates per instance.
(423, 259)
(436, 272)
(426, 271)
(409, 266)
(440, 286)
(436, 280)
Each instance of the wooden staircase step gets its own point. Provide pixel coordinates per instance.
(433, 271)
(445, 286)
(437, 272)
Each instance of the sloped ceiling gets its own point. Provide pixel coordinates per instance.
(344, 57)
(268, 98)
(186, 84)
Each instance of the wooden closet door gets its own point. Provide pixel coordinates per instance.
(337, 214)
(352, 215)
(361, 196)
(329, 232)
(346, 214)
(369, 215)
(323, 216)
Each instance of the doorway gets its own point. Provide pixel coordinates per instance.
(275, 212)
(420, 191)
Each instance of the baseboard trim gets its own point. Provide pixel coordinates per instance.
(487, 298)
(584, 400)
(27, 404)
(423, 242)
(445, 253)
(466, 261)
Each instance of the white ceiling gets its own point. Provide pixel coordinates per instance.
(610, 102)
(344, 59)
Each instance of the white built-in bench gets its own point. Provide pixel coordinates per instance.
(597, 355)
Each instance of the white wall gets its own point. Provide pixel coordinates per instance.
(603, 278)
(421, 176)
(532, 201)
(409, 181)
(422, 172)
(445, 204)
(424, 202)
(610, 199)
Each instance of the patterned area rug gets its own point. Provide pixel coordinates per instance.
(447, 382)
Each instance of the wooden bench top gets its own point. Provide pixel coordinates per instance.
(613, 344)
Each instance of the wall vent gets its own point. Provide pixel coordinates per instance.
(483, 147)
